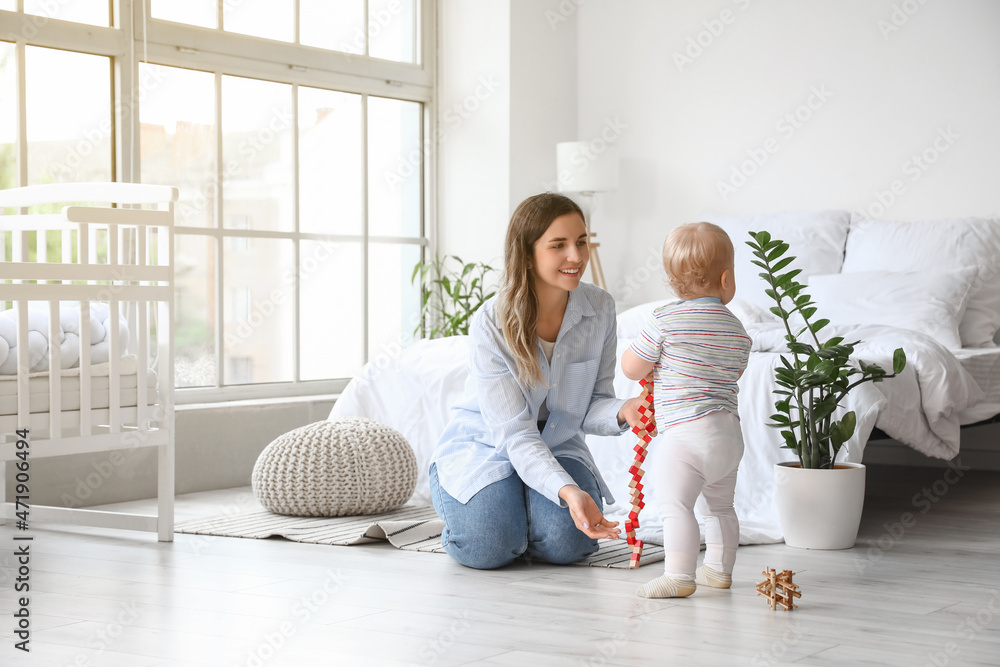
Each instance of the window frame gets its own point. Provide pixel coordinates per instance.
(135, 37)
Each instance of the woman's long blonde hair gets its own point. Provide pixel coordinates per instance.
(517, 303)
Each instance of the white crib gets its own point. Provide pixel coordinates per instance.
(123, 262)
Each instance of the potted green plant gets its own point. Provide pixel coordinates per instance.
(819, 499)
(449, 294)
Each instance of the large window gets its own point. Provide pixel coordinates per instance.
(294, 130)
(386, 29)
(67, 141)
(8, 112)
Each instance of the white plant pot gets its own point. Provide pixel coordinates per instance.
(820, 509)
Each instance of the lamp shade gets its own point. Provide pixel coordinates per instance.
(583, 166)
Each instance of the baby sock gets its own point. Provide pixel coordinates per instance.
(666, 587)
(709, 576)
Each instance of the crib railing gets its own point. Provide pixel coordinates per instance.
(122, 261)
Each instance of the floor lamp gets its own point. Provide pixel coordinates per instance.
(587, 169)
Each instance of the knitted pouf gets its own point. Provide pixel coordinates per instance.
(339, 467)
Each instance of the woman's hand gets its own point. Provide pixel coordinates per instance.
(586, 515)
(629, 412)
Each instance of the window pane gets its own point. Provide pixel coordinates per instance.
(392, 29)
(259, 291)
(8, 116)
(9, 5)
(273, 19)
(333, 24)
(393, 303)
(330, 335)
(204, 13)
(177, 138)
(330, 193)
(257, 153)
(394, 167)
(94, 12)
(68, 141)
(194, 306)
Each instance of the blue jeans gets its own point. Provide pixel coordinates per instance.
(508, 519)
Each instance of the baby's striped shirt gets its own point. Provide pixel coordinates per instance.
(699, 348)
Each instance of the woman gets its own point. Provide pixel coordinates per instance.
(512, 474)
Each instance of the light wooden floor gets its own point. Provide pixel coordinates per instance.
(928, 596)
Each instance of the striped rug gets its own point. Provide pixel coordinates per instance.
(409, 528)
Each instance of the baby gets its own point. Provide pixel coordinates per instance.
(697, 350)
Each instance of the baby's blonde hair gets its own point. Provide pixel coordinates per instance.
(694, 256)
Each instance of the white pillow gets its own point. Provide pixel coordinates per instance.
(940, 245)
(815, 238)
(931, 302)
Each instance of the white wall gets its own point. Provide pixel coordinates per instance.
(497, 141)
(473, 134)
(543, 111)
(886, 95)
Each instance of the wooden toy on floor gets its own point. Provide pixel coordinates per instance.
(779, 589)
(646, 410)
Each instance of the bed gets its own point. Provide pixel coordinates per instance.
(871, 276)
(984, 367)
(86, 310)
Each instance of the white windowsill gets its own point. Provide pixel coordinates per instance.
(257, 402)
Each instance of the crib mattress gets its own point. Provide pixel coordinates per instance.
(983, 364)
(69, 389)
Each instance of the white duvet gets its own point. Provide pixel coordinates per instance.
(412, 393)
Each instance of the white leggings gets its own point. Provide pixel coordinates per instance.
(698, 457)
